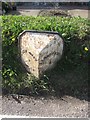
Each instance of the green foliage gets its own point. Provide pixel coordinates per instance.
(75, 32)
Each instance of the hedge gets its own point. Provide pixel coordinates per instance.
(75, 32)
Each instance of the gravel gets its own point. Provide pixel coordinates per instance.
(67, 106)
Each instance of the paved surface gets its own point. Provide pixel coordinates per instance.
(76, 12)
(28, 12)
(45, 107)
(73, 11)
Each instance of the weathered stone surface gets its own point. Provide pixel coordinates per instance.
(40, 50)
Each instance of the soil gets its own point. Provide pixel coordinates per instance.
(66, 106)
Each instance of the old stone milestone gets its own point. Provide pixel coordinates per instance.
(40, 50)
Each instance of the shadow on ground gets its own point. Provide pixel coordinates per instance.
(70, 80)
(63, 80)
(13, 13)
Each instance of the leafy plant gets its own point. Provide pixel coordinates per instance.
(75, 32)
